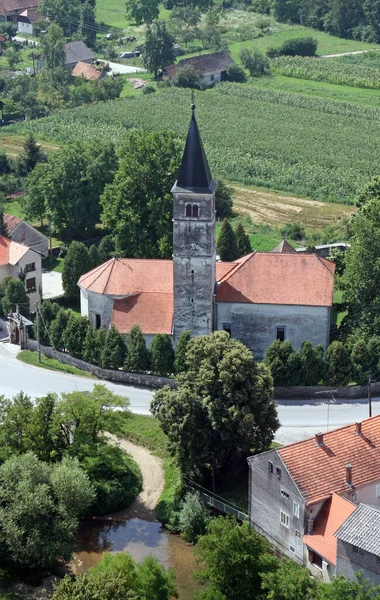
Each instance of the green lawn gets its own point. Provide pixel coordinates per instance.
(55, 263)
(30, 357)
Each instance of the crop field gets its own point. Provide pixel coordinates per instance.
(331, 70)
(310, 146)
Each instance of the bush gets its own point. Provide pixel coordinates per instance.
(137, 354)
(236, 74)
(283, 362)
(255, 61)
(193, 517)
(162, 355)
(338, 364)
(148, 89)
(187, 77)
(74, 335)
(114, 352)
(297, 47)
(295, 231)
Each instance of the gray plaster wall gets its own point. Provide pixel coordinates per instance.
(366, 494)
(92, 303)
(28, 236)
(349, 563)
(255, 324)
(194, 257)
(266, 503)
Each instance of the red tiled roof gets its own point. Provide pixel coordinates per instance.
(320, 470)
(2, 38)
(332, 515)
(153, 312)
(11, 252)
(275, 278)
(11, 222)
(87, 71)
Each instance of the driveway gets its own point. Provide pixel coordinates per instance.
(118, 69)
(52, 285)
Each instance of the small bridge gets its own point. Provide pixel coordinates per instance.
(217, 502)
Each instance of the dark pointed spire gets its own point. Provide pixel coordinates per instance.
(194, 173)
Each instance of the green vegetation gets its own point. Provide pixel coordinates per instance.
(311, 146)
(29, 357)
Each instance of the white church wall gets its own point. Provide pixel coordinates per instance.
(93, 304)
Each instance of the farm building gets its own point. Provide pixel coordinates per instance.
(211, 67)
(26, 20)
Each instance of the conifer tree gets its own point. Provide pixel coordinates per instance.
(137, 353)
(162, 354)
(114, 351)
(75, 334)
(242, 241)
(32, 154)
(226, 245)
(180, 351)
(93, 346)
(106, 248)
(48, 312)
(94, 256)
(57, 329)
(77, 262)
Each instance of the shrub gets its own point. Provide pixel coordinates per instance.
(13, 293)
(114, 352)
(255, 61)
(148, 89)
(338, 364)
(193, 517)
(137, 354)
(311, 363)
(236, 74)
(75, 334)
(295, 231)
(296, 47)
(283, 362)
(187, 77)
(162, 355)
(57, 329)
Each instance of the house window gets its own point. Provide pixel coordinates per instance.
(227, 327)
(270, 467)
(357, 550)
(284, 519)
(188, 210)
(296, 510)
(30, 267)
(284, 493)
(378, 490)
(98, 321)
(195, 211)
(31, 285)
(315, 559)
(22, 237)
(292, 549)
(280, 334)
(278, 472)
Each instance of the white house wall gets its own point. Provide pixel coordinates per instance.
(211, 78)
(25, 27)
(93, 304)
(31, 257)
(256, 324)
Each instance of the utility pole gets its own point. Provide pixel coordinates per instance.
(369, 396)
(38, 332)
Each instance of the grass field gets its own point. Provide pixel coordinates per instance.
(29, 357)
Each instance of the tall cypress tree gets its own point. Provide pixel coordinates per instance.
(137, 353)
(114, 351)
(180, 351)
(162, 354)
(226, 244)
(242, 241)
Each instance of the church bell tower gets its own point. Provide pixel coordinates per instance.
(194, 248)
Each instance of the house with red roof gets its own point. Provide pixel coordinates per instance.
(17, 259)
(303, 498)
(20, 231)
(259, 298)
(27, 19)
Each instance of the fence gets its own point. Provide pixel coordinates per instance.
(220, 504)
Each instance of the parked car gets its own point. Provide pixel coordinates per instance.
(109, 36)
(133, 54)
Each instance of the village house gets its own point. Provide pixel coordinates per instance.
(10, 9)
(310, 500)
(88, 71)
(17, 259)
(212, 68)
(259, 298)
(26, 20)
(20, 231)
(77, 51)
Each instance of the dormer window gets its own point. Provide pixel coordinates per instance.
(195, 211)
(188, 210)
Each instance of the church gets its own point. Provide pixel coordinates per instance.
(258, 298)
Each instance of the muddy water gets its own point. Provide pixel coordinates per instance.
(140, 538)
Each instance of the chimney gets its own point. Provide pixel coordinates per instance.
(319, 438)
(349, 475)
(358, 428)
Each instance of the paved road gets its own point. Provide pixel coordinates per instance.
(118, 69)
(299, 418)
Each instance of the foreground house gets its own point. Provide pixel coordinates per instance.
(211, 67)
(17, 259)
(77, 51)
(259, 298)
(309, 500)
(26, 20)
(20, 231)
(87, 71)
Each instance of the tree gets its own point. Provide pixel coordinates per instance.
(106, 248)
(187, 77)
(32, 154)
(162, 354)
(3, 227)
(311, 363)
(87, 23)
(255, 61)
(158, 49)
(63, 16)
(223, 200)
(289, 581)
(226, 245)
(75, 334)
(52, 44)
(77, 262)
(93, 346)
(16, 415)
(12, 56)
(184, 22)
(114, 351)
(137, 206)
(236, 74)
(142, 11)
(283, 362)
(9, 29)
(193, 517)
(45, 438)
(361, 362)
(338, 364)
(94, 256)
(345, 589)
(222, 407)
(38, 187)
(57, 329)
(371, 9)
(242, 240)
(233, 558)
(40, 507)
(180, 363)
(48, 311)
(13, 294)
(137, 354)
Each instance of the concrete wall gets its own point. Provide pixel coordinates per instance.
(255, 324)
(194, 264)
(139, 379)
(266, 503)
(211, 79)
(24, 27)
(27, 235)
(349, 563)
(92, 304)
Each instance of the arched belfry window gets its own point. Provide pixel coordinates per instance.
(195, 210)
(188, 210)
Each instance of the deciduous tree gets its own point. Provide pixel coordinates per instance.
(158, 50)
(223, 200)
(142, 11)
(13, 294)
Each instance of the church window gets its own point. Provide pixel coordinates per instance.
(227, 327)
(280, 334)
(195, 211)
(188, 210)
(98, 321)
(192, 300)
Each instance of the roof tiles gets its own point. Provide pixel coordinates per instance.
(87, 71)
(11, 252)
(362, 529)
(153, 312)
(319, 470)
(11, 222)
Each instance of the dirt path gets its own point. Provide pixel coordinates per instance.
(153, 482)
(343, 54)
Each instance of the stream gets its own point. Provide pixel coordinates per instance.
(140, 538)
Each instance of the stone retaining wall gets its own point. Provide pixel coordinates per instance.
(313, 392)
(139, 379)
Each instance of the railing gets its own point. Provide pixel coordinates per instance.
(218, 503)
